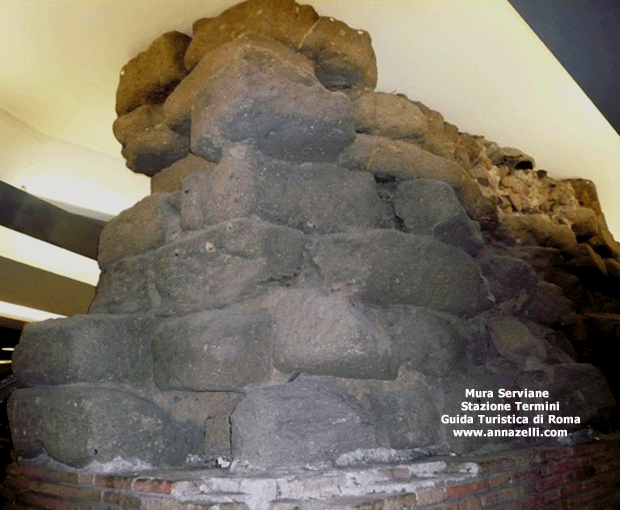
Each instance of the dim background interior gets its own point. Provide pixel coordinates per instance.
(540, 76)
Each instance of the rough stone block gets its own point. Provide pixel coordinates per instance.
(382, 156)
(510, 157)
(422, 340)
(539, 229)
(344, 58)
(389, 115)
(431, 207)
(327, 335)
(149, 145)
(225, 263)
(311, 197)
(169, 180)
(407, 416)
(509, 278)
(221, 350)
(282, 20)
(580, 388)
(149, 77)
(513, 340)
(268, 99)
(125, 286)
(79, 425)
(301, 423)
(209, 410)
(389, 267)
(139, 229)
(85, 348)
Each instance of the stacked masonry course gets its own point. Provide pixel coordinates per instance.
(321, 269)
(581, 477)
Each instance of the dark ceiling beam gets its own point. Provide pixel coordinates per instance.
(584, 35)
(35, 288)
(37, 218)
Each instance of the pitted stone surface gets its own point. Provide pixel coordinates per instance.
(268, 98)
(223, 350)
(125, 286)
(321, 334)
(298, 423)
(85, 349)
(149, 145)
(170, 179)
(225, 263)
(311, 197)
(139, 229)
(388, 267)
(149, 77)
(101, 424)
(431, 207)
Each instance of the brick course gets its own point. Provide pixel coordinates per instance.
(584, 477)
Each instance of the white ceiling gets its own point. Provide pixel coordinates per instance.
(475, 61)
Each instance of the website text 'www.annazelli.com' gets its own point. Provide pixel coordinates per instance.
(535, 417)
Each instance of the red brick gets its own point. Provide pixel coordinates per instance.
(531, 502)
(113, 482)
(33, 501)
(431, 496)
(549, 482)
(498, 497)
(152, 485)
(551, 495)
(519, 476)
(556, 467)
(122, 500)
(500, 480)
(455, 491)
(494, 465)
(569, 489)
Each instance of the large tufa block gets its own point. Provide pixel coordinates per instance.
(149, 145)
(125, 286)
(80, 425)
(143, 227)
(264, 94)
(389, 267)
(224, 264)
(423, 341)
(343, 57)
(327, 335)
(311, 197)
(430, 207)
(149, 77)
(223, 350)
(390, 115)
(302, 423)
(85, 348)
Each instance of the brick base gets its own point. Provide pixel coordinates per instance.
(584, 477)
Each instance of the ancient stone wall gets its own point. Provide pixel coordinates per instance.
(321, 269)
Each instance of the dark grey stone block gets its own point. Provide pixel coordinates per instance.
(327, 335)
(423, 341)
(263, 94)
(125, 286)
(85, 348)
(78, 425)
(223, 264)
(389, 267)
(430, 207)
(222, 350)
(301, 423)
(141, 228)
(311, 197)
